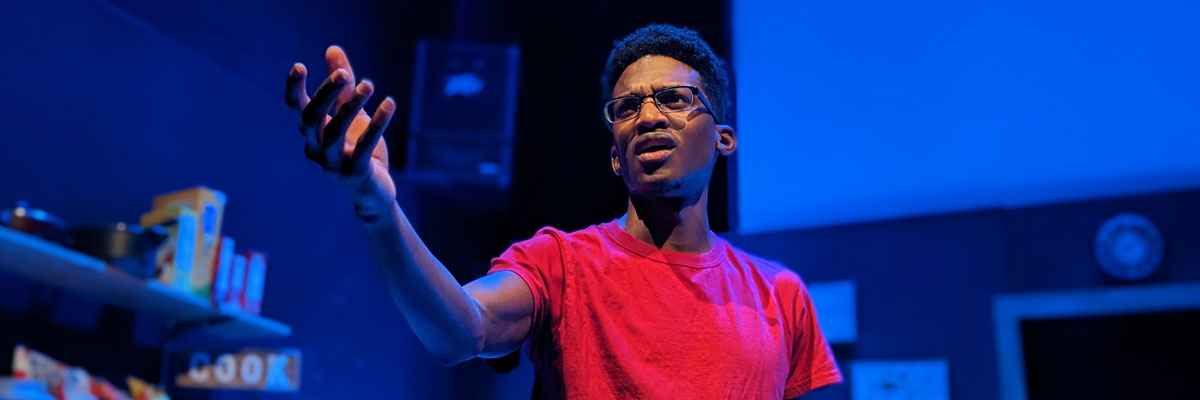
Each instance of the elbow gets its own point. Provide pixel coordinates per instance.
(458, 337)
(453, 356)
(458, 348)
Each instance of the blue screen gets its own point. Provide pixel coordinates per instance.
(853, 111)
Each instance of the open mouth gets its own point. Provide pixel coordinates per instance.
(654, 148)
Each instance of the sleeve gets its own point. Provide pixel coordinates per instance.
(539, 262)
(811, 359)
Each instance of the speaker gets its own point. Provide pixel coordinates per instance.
(462, 113)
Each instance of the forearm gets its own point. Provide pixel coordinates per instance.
(441, 313)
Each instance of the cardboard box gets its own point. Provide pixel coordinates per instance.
(175, 257)
(209, 206)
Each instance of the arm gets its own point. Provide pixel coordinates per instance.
(488, 317)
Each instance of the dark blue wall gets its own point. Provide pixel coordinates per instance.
(108, 104)
(925, 285)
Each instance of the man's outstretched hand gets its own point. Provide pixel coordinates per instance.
(348, 144)
(448, 318)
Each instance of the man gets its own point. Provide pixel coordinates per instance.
(650, 305)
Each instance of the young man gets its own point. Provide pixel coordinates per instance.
(650, 305)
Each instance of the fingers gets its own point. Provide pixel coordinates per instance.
(296, 93)
(326, 136)
(314, 113)
(371, 138)
(335, 131)
(335, 58)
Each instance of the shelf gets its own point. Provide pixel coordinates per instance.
(55, 265)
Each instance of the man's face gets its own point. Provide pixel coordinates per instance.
(665, 154)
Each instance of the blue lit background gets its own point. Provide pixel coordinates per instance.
(937, 155)
(865, 110)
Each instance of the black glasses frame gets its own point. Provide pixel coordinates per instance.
(641, 100)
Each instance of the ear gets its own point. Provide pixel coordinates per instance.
(616, 161)
(726, 140)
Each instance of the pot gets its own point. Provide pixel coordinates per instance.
(128, 247)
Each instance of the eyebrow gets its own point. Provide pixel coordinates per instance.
(655, 88)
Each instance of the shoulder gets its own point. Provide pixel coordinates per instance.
(548, 237)
(773, 270)
(784, 280)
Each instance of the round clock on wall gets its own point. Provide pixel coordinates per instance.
(1129, 247)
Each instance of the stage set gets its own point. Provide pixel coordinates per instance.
(484, 199)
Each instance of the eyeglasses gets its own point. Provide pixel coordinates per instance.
(670, 100)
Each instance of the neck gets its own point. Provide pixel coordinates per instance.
(676, 224)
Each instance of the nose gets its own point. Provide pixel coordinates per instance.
(650, 118)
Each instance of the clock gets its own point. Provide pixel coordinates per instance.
(1128, 247)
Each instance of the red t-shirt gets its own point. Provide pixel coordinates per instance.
(615, 317)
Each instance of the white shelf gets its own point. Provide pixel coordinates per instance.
(55, 265)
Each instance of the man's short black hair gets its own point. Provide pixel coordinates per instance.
(682, 44)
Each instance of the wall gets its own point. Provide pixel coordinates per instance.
(857, 111)
(925, 285)
(110, 103)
